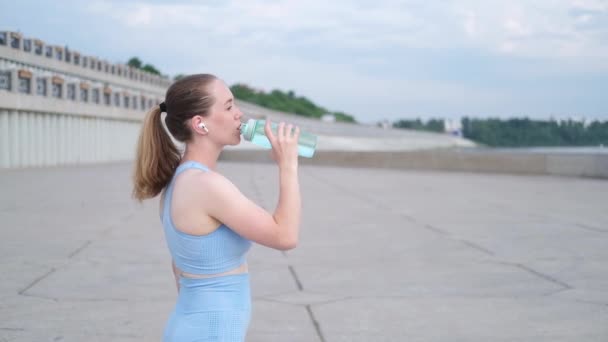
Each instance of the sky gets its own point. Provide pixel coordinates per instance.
(376, 60)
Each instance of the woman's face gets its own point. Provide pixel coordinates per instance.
(224, 119)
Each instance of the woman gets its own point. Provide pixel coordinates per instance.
(208, 223)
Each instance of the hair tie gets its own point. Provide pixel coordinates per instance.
(163, 107)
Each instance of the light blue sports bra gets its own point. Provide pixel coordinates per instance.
(219, 251)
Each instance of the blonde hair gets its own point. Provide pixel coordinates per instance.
(157, 157)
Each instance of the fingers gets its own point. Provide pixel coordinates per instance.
(284, 132)
(281, 132)
(296, 133)
(289, 132)
(267, 129)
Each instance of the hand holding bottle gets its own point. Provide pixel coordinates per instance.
(255, 132)
(284, 144)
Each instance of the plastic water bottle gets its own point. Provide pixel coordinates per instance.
(253, 130)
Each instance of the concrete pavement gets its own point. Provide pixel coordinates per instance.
(384, 255)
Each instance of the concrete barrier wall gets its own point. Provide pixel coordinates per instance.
(562, 164)
(30, 139)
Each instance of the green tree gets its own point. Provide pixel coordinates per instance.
(525, 132)
(343, 117)
(151, 69)
(134, 62)
(285, 101)
(432, 125)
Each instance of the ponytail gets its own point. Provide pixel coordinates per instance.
(156, 159)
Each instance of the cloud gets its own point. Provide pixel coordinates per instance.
(367, 57)
(513, 27)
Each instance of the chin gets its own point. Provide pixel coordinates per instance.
(237, 141)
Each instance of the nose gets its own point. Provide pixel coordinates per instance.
(239, 113)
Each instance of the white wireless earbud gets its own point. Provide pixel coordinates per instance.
(202, 126)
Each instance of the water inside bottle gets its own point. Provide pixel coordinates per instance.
(262, 140)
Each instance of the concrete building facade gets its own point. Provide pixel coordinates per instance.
(58, 106)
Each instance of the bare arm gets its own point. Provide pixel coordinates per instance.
(285, 153)
(223, 201)
(288, 211)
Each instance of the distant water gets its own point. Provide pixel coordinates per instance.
(572, 150)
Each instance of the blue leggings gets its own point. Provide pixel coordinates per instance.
(211, 309)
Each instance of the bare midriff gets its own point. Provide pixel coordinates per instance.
(239, 270)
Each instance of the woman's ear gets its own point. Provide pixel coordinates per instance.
(201, 125)
(198, 125)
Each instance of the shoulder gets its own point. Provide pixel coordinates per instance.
(207, 182)
(206, 190)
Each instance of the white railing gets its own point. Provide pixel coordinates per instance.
(66, 108)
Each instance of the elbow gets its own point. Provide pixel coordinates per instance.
(287, 244)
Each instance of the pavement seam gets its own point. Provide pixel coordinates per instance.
(53, 269)
(433, 228)
(575, 224)
(269, 298)
(39, 297)
(273, 294)
(591, 302)
(120, 221)
(368, 200)
(315, 323)
(448, 236)
(476, 246)
(590, 228)
(294, 275)
(311, 315)
(93, 300)
(554, 292)
(544, 276)
(409, 218)
(77, 300)
(539, 274)
(37, 280)
(79, 249)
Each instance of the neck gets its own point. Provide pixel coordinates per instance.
(204, 153)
